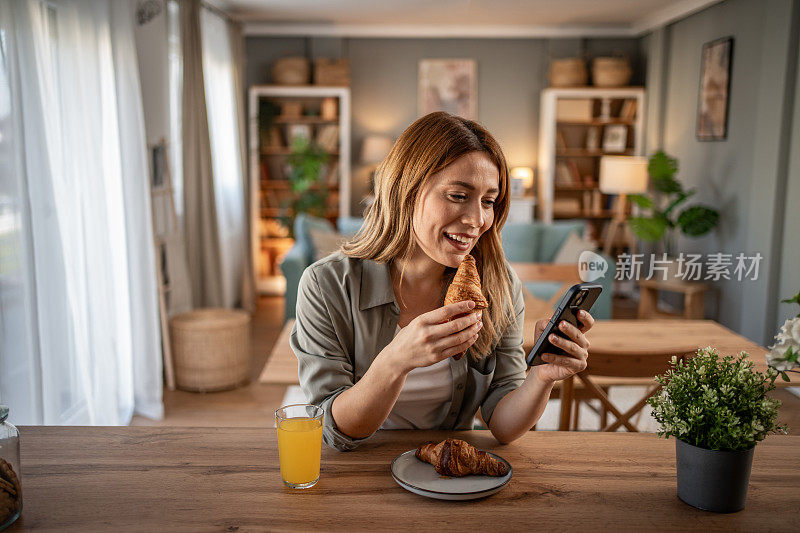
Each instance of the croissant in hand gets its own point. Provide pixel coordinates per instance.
(466, 285)
(453, 457)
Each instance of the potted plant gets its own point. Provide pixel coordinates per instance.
(666, 216)
(784, 354)
(718, 410)
(306, 164)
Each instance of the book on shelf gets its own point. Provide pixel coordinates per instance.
(566, 206)
(593, 138)
(563, 174)
(628, 110)
(328, 137)
(573, 169)
(561, 143)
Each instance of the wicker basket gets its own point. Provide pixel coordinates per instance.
(611, 71)
(569, 72)
(291, 71)
(210, 349)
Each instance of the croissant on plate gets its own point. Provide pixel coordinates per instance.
(466, 285)
(454, 457)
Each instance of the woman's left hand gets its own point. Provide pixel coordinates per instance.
(559, 367)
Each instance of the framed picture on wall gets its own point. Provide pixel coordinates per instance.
(448, 85)
(715, 80)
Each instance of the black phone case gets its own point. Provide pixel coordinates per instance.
(568, 311)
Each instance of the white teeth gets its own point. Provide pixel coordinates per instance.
(458, 238)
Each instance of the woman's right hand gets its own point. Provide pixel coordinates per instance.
(434, 336)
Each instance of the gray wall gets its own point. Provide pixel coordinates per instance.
(511, 75)
(747, 176)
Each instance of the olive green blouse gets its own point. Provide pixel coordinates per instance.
(347, 314)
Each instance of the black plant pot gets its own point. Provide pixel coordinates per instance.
(713, 480)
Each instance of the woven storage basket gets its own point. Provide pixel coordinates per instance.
(210, 349)
(611, 71)
(291, 71)
(568, 72)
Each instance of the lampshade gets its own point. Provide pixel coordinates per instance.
(621, 174)
(523, 173)
(375, 149)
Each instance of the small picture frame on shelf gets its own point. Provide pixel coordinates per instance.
(615, 138)
(517, 187)
(593, 138)
(298, 131)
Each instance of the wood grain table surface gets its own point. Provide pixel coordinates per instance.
(228, 479)
(606, 336)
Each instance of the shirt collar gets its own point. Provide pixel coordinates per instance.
(376, 284)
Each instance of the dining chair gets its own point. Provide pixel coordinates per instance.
(607, 368)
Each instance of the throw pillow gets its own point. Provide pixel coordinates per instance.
(324, 242)
(571, 250)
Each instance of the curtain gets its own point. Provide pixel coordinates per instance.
(78, 309)
(248, 293)
(219, 76)
(203, 249)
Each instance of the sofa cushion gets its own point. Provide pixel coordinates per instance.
(302, 224)
(572, 248)
(349, 226)
(324, 242)
(521, 242)
(553, 237)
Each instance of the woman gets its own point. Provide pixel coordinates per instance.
(374, 343)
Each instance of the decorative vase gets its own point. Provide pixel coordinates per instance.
(713, 480)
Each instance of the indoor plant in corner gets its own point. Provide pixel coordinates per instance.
(306, 173)
(666, 216)
(718, 410)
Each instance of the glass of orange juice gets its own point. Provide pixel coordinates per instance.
(299, 444)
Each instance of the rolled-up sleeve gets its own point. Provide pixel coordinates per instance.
(325, 367)
(510, 367)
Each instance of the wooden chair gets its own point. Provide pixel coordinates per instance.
(634, 365)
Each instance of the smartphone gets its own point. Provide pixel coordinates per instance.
(577, 297)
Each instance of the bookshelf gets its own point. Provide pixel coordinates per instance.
(577, 127)
(277, 115)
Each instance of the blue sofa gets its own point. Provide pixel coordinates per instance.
(525, 242)
(536, 242)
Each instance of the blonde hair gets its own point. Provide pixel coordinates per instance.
(426, 147)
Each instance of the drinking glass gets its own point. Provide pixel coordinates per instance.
(299, 444)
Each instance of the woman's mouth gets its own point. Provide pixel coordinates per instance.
(461, 242)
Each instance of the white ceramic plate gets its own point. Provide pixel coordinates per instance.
(420, 478)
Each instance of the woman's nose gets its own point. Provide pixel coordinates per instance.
(473, 215)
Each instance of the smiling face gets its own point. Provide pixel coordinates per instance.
(455, 207)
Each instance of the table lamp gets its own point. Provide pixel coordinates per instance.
(523, 177)
(622, 175)
(375, 149)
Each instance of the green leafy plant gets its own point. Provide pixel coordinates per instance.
(665, 219)
(716, 403)
(308, 193)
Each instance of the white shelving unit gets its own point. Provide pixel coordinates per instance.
(604, 100)
(307, 96)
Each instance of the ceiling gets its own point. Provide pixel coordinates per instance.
(447, 18)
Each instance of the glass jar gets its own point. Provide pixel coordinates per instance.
(10, 490)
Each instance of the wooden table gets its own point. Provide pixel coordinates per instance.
(281, 367)
(657, 335)
(227, 479)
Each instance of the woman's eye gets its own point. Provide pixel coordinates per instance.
(488, 202)
(458, 197)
